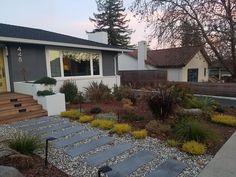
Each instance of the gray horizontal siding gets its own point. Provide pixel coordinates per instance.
(33, 62)
(108, 64)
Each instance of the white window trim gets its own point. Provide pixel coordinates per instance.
(5, 58)
(63, 77)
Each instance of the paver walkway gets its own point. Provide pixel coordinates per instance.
(75, 140)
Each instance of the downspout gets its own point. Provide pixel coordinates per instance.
(116, 66)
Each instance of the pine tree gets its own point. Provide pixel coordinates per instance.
(112, 19)
(190, 35)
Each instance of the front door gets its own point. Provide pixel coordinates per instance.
(3, 84)
(192, 75)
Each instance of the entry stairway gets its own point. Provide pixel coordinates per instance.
(15, 107)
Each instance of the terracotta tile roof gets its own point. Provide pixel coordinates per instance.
(172, 57)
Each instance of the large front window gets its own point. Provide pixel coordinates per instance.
(54, 58)
(75, 63)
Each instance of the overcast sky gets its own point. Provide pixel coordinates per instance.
(63, 16)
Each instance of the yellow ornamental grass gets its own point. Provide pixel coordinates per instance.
(103, 124)
(121, 128)
(194, 148)
(141, 134)
(85, 119)
(224, 119)
(172, 143)
(72, 114)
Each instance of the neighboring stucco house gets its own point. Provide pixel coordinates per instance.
(185, 64)
(27, 54)
(222, 73)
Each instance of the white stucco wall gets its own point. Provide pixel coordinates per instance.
(174, 74)
(126, 63)
(83, 82)
(198, 62)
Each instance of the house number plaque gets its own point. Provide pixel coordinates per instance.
(19, 54)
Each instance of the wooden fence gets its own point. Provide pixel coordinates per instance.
(142, 78)
(217, 89)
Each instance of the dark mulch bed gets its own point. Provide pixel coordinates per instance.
(37, 170)
(223, 132)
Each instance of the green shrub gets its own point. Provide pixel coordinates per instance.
(206, 104)
(224, 119)
(132, 117)
(103, 124)
(69, 88)
(107, 116)
(194, 148)
(140, 134)
(180, 92)
(46, 81)
(121, 128)
(95, 110)
(156, 127)
(122, 92)
(173, 143)
(73, 114)
(220, 109)
(79, 98)
(162, 102)
(98, 92)
(191, 129)
(25, 143)
(45, 93)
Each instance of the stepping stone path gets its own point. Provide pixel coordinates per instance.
(75, 140)
(102, 157)
(170, 168)
(131, 164)
(76, 151)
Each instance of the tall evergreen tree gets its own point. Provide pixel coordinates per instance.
(190, 35)
(112, 19)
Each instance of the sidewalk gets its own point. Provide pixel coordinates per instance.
(224, 162)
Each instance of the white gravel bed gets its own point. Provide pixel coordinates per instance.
(75, 167)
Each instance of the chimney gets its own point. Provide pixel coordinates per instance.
(100, 36)
(142, 54)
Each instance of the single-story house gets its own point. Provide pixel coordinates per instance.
(184, 64)
(27, 54)
(217, 70)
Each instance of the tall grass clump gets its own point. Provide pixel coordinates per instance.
(25, 144)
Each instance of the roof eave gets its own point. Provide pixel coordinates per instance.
(61, 44)
(171, 66)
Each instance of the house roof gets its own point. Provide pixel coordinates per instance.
(12, 33)
(227, 64)
(172, 57)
